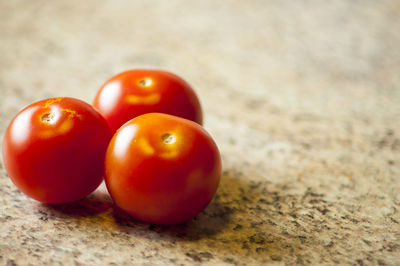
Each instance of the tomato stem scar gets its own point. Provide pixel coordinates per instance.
(145, 82)
(47, 117)
(168, 138)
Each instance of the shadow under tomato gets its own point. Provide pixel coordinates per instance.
(209, 222)
(241, 221)
(245, 219)
(96, 203)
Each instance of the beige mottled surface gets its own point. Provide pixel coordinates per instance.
(302, 98)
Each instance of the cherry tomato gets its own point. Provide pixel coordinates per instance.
(54, 150)
(136, 92)
(162, 169)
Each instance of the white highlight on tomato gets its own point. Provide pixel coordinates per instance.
(124, 136)
(21, 126)
(109, 96)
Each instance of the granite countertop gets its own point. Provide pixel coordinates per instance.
(302, 98)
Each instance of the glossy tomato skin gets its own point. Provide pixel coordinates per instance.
(54, 150)
(162, 169)
(136, 92)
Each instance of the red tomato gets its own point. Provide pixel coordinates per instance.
(162, 169)
(136, 92)
(54, 150)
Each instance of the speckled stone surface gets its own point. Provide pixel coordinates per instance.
(302, 98)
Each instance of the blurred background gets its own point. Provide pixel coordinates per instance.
(302, 98)
(312, 56)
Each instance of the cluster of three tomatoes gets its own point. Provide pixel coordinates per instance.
(143, 133)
